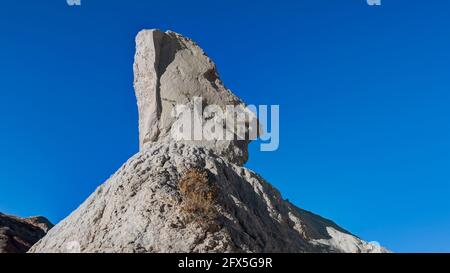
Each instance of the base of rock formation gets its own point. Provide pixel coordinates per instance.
(141, 209)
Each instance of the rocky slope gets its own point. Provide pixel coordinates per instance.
(189, 196)
(139, 209)
(17, 235)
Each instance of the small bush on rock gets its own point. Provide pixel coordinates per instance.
(198, 195)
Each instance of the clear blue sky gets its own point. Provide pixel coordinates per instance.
(364, 95)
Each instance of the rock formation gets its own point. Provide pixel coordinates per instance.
(170, 69)
(17, 235)
(189, 196)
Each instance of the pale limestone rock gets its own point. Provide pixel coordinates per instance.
(139, 209)
(170, 69)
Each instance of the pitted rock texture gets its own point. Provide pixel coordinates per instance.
(170, 70)
(17, 235)
(138, 210)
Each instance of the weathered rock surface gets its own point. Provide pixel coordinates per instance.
(141, 207)
(138, 210)
(17, 235)
(169, 70)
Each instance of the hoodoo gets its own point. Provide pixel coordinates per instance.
(189, 196)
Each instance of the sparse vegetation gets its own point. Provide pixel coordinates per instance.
(199, 195)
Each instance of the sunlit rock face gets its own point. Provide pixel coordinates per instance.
(170, 70)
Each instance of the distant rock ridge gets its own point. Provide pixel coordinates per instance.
(17, 235)
(189, 196)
